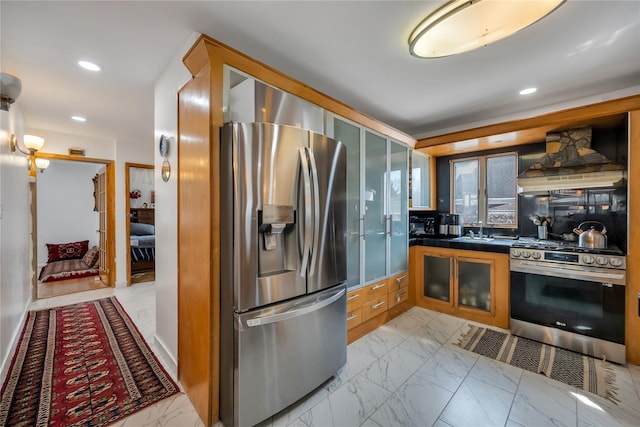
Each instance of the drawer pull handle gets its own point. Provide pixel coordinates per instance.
(353, 297)
(382, 285)
(375, 307)
(401, 278)
(398, 296)
(352, 317)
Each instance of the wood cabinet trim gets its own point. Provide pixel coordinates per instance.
(195, 60)
(538, 125)
(499, 264)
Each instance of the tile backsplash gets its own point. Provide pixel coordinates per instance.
(572, 207)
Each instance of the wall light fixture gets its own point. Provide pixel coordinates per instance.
(32, 144)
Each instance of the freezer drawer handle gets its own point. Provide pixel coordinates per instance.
(300, 311)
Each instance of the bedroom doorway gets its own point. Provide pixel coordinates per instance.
(74, 226)
(140, 212)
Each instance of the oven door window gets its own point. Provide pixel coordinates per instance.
(583, 307)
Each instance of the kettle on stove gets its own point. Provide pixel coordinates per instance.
(592, 238)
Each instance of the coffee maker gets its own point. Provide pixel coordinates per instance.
(450, 224)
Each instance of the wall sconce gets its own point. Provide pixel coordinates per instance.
(33, 144)
(42, 164)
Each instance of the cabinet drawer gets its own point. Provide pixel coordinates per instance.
(373, 308)
(354, 317)
(355, 299)
(376, 290)
(398, 282)
(398, 296)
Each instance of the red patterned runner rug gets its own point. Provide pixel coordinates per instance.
(81, 365)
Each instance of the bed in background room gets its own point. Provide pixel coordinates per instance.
(143, 247)
(70, 261)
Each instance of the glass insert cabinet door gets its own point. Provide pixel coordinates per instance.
(350, 136)
(375, 222)
(474, 283)
(437, 277)
(397, 210)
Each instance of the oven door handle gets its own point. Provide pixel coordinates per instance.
(616, 278)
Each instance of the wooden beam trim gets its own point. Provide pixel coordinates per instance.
(600, 109)
(632, 323)
(220, 52)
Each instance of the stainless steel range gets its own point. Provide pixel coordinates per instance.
(569, 296)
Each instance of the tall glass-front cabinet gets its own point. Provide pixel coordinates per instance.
(377, 200)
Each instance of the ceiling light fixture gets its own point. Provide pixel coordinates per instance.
(88, 65)
(528, 91)
(78, 118)
(463, 25)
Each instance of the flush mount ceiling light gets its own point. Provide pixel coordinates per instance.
(88, 65)
(78, 118)
(463, 25)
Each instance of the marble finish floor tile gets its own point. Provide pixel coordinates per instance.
(478, 403)
(447, 368)
(393, 369)
(407, 373)
(418, 402)
(350, 405)
(541, 401)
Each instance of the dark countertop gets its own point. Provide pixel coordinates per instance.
(493, 245)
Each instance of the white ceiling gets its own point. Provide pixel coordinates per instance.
(356, 52)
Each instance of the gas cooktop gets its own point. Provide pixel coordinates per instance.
(562, 246)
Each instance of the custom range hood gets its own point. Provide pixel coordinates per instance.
(570, 163)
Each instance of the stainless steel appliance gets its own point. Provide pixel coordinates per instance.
(443, 224)
(283, 296)
(569, 296)
(420, 226)
(455, 226)
(450, 224)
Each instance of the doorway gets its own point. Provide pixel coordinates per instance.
(140, 210)
(74, 226)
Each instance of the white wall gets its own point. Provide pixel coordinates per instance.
(107, 149)
(174, 77)
(65, 205)
(15, 236)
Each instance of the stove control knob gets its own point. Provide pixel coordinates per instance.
(587, 259)
(516, 253)
(535, 255)
(601, 260)
(616, 262)
(526, 254)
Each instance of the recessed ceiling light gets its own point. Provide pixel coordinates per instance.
(78, 118)
(528, 91)
(88, 65)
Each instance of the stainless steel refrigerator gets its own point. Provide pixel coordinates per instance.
(283, 244)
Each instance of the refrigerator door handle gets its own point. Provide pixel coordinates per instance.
(307, 213)
(316, 210)
(296, 312)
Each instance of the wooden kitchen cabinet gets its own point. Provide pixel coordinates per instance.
(371, 306)
(470, 284)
